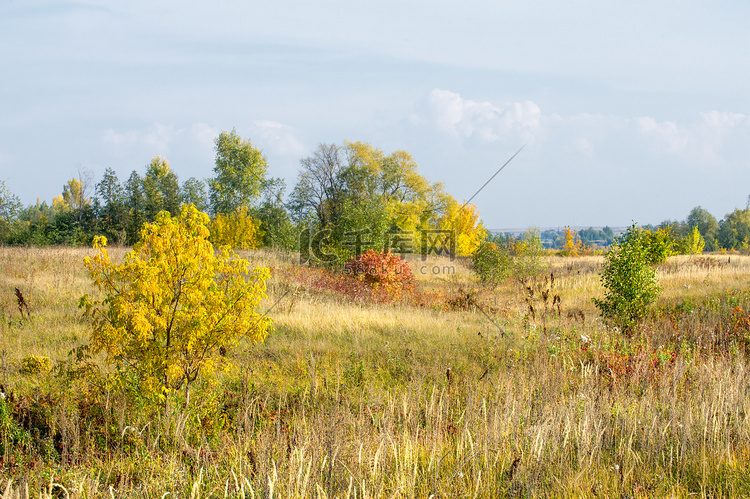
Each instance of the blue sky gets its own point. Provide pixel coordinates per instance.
(631, 111)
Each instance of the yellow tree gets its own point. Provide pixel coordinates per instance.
(73, 197)
(693, 243)
(463, 220)
(173, 303)
(237, 230)
(573, 246)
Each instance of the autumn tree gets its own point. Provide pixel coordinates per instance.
(237, 230)
(692, 244)
(173, 303)
(573, 245)
(363, 195)
(238, 174)
(465, 227)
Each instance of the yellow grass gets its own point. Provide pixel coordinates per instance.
(352, 400)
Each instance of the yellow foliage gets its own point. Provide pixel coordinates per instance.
(237, 230)
(173, 303)
(573, 246)
(463, 220)
(59, 205)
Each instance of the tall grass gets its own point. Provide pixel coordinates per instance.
(352, 400)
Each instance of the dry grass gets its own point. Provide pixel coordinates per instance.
(352, 400)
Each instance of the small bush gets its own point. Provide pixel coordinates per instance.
(492, 263)
(660, 244)
(36, 364)
(528, 252)
(629, 279)
(520, 259)
(384, 271)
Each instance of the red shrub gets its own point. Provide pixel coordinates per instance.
(387, 274)
(373, 277)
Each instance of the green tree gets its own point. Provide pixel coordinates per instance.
(238, 175)
(10, 208)
(660, 244)
(193, 191)
(528, 252)
(112, 213)
(161, 189)
(74, 220)
(693, 244)
(135, 207)
(173, 303)
(275, 223)
(706, 224)
(629, 280)
(734, 230)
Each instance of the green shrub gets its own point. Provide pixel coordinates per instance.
(693, 243)
(629, 279)
(660, 244)
(528, 262)
(520, 259)
(36, 364)
(492, 263)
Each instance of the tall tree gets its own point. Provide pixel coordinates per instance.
(734, 230)
(238, 175)
(193, 191)
(360, 193)
(707, 225)
(319, 191)
(10, 208)
(160, 189)
(112, 214)
(135, 206)
(275, 223)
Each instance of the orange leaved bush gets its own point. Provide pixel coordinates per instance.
(387, 273)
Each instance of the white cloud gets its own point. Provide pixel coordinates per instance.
(465, 118)
(278, 138)
(204, 134)
(585, 146)
(667, 134)
(719, 119)
(157, 138)
(708, 141)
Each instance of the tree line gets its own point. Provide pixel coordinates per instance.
(353, 196)
(356, 195)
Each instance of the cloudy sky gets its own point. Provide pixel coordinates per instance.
(630, 110)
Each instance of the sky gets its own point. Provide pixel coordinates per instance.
(629, 111)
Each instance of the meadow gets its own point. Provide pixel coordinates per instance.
(454, 391)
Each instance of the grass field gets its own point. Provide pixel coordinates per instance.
(457, 392)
